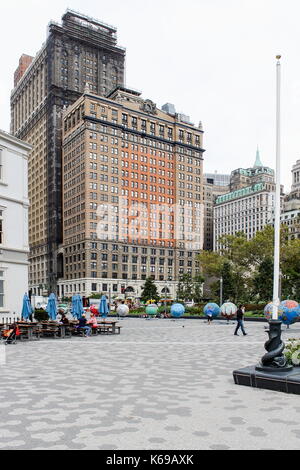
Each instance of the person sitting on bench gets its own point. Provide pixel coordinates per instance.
(93, 321)
(83, 325)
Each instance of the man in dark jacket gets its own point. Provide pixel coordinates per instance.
(83, 325)
(240, 317)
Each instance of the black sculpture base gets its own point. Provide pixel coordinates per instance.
(273, 372)
(279, 381)
(262, 368)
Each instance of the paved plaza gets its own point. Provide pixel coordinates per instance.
(161, 384)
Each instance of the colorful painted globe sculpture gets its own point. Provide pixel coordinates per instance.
(228, 310)
(177, 310)
(211, 310)
(291, 312)
(268, 311)
(94, 310)
(122, 310)
(151, 309)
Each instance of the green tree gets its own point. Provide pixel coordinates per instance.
(246, 266)
(211, 263)
(290, 268)
(190, 288)
(185, 287)
(228, 282)
(263, 280)
(149, 291)
(198, 288)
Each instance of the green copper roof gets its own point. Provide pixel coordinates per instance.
(258, 160)
(240, 193)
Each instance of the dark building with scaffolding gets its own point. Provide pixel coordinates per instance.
(79, 53)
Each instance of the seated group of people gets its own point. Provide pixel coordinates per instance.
(82, 323)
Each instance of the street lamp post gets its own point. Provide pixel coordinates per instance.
(221, 291)
(165, 298)
(109, 297)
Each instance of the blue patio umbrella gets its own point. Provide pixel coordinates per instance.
(77, 308)
(26, 308)
(103, 308)
(51, 308)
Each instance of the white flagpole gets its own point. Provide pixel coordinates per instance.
(276, 299)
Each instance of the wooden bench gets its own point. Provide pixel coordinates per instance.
(76, 330)
(49, 330)
(109, 329)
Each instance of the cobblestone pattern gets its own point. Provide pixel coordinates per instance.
(161, 384)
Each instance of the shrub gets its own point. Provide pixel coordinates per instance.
(255, 307)
(164, 309)
(292, 352)
(193, 310)
(40, 315)
(138, 310)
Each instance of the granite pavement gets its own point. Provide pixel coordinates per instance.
(160, 384)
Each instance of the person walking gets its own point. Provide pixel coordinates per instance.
(240, 317)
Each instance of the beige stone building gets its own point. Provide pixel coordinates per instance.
(249, 205)
(132, 195)
(290, 216)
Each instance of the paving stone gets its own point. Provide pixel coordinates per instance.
(157, 385)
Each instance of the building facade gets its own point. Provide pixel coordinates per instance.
(14, 246)
(214, 185)
(132, 195)
(77, 52)
(249, 205)
(290, 216)
(24, 62)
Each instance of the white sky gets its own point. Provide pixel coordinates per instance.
(214, 59)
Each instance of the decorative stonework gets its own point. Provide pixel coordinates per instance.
(149, 107)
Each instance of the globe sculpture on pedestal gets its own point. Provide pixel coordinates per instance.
(268, 311)
(228, 310)
(177, 310)
(151, 309)
(211, 310)
(291, 312)
(122, 310)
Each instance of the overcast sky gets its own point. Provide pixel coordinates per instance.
(214, 59)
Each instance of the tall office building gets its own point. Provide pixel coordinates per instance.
(291, 210)
(132, 195)
(215, 184)
(81, 51)
(249, 205)
(292, 199)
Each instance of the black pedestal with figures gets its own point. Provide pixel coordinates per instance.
(273, 372)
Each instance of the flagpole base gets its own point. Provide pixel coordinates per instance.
(274, 359)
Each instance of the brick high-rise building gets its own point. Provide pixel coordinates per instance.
(24, 62)
(132, 195)
(77, 52)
